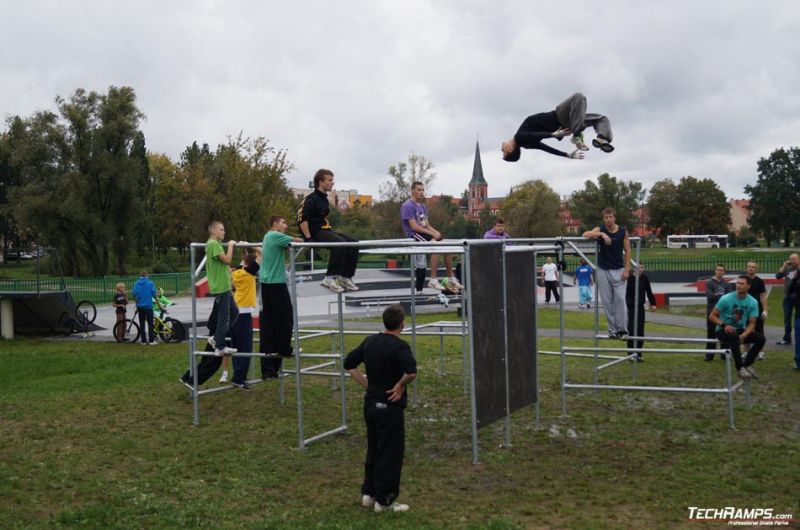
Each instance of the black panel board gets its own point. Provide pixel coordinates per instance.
(521, 302)
(486, 305)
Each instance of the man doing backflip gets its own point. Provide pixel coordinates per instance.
(569, 117)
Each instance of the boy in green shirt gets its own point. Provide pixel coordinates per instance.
(276, 319)
(219, 284)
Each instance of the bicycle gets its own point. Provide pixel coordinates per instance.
(167, 329)
(78, 319)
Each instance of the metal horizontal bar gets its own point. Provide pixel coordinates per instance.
(519, 248)
(589, 355)
(690, 340)
(215, 390)
(238, 354)
(649, 388)
(337, 430)
(319, 372)
(617, 361)
(643, 350)
(316, 366)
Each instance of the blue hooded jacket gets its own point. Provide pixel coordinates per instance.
(144, 290)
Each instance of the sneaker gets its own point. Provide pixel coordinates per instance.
(577, 139)
(224, 351)
(269, 375)
(783, 342)
(752, 372)
(367, 501)
(588, 305)
(224, 378)
(433, 283)
(212, 342)
(152, 343)
(394, 507)
(347, 284)
(455, 283)
(744, 374)
(243, 385)
(603, 144)
(622, 335)
(762, 356)
(186, 383)
(332, 284)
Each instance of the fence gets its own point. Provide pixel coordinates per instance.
(99, 289)
(767, 265)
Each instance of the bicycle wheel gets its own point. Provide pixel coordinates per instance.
(178, 330)
(126, 331)
(87, 311)
(164, 329)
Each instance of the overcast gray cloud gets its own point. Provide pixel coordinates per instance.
(700, 88)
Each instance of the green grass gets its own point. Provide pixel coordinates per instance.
(99, 435)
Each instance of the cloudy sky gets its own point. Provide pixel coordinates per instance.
(701, 88)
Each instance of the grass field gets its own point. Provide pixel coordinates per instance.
(96, 435)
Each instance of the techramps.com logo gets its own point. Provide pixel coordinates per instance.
(740, 516)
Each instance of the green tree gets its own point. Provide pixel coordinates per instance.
(775, 197)
(625, 197)
(692, 206)
(532, 210)
(661, 207)
(403, 174)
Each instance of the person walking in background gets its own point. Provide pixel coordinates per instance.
(758, 291)
(636, 307)
(787, 273)
(584, 277)
(613, 269)
(716, 288)
(550, 277)
(794, 288)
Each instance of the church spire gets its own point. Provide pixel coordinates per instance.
(477, 168)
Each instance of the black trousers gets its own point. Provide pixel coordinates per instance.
(343, 261)
(207, 367)
(639, 331)
(276, 324)
(551, 286)
(386, 443)
(711, 333)
(146, 317)
(731, 340)
(242, 340)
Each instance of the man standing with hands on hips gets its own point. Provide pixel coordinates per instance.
(787, 273)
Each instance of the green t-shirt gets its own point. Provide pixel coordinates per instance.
(737, 312)
(219, 274)
(272, 267)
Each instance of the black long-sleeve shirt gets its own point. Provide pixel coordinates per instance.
(536, 128)
(315, 210)
(644, 290)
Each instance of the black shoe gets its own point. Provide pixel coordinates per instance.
(783, 342)
(186, 383)
(639, 359)
(243, 385)
(271, 375)
(708, 358)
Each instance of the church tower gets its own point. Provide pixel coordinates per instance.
(478, 187)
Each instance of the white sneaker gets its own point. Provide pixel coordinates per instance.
(752, 372)
(153, 343)
(577, 140)
(744, 374)
(433, 283)
(762, 356)
(212, 342)
(332, 284)
(347, 284)
(224, 351)
(452, 280)
(394, 507)
(367, 501)
(224, 378)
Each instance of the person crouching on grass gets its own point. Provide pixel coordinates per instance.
(390, 366)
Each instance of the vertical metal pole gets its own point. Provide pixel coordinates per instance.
(341, 361)
(507, 422)
(636, 315)
(747, 396)
(729, 379)
(441, 351)
(464, 339)
(413, 326)
(561, 342)
(595, 341)
(193, 341)
(297, 367)
(538, 413)
(472, 398)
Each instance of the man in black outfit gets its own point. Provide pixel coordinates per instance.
(569, 117)
(636, 307)
(390, 366)
(758, 291)
(314, 226)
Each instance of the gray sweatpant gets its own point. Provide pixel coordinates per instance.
(572, 114)
(611, 291)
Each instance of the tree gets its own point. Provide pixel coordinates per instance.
(775, 197)
(625, 197)
(532, 210)
(398, 189)
(691, 207)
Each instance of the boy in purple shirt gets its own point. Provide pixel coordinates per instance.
(497, 231)
(414, 218)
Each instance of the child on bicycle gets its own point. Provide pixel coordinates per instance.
(120, 303)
